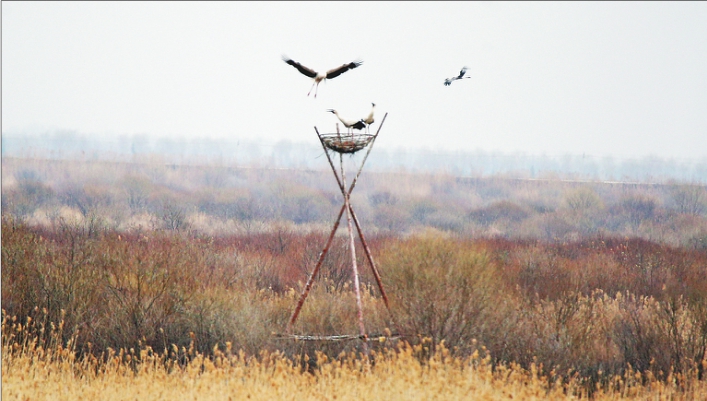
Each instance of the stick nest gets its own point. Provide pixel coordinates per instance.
(345, 143)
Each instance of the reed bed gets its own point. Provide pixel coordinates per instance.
(37, 365)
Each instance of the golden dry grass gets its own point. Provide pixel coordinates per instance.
(32, 372)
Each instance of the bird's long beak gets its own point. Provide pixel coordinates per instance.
(330, 111)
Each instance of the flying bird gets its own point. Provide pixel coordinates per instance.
(318, 76)
(349, 124)
(369, 120)
(449, 81)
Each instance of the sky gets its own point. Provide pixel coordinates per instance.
(619, 79)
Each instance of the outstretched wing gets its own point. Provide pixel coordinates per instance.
(461, 73)
(333, 73)
(304, 70)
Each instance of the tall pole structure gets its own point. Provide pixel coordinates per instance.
(345, 144)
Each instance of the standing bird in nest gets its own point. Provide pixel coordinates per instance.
(349, 124)
(449, 81)
(369, 120)
(318, 76)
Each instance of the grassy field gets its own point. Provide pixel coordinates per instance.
(31, 371)
(170, 281)
(193, 315)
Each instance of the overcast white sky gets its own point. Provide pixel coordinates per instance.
(595, 78)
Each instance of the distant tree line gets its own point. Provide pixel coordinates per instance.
(212, 198)
(289, 154)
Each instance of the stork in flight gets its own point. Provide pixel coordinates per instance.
(349, 124)
(369, 120)
(449, 81)
(318, 76)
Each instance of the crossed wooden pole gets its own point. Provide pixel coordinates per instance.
(350, 216)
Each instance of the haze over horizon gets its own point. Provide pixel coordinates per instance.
(603, 79)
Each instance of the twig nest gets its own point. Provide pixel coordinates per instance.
(346, 143)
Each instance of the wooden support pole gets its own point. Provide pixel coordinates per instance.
(370, 259)
(354, 267)
(310, 281)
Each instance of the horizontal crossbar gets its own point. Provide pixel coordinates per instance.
(341, 337)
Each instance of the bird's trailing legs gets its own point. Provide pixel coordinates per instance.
(310, 90)
(315, 92)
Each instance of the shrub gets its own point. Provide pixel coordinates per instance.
(442, 288)
(53, 274)
(689, 199)
(137, 192)
(636, 209)
(504, 209)
(29, 195)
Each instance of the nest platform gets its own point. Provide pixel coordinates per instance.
(346, 143)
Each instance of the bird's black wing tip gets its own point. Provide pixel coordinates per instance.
(360, 124)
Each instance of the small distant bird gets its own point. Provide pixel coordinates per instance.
(349, 124)
(369, 120)
(318, 76)
(449, 81)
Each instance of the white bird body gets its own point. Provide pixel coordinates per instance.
(349, 124)
(318, 76)
(449, 81)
